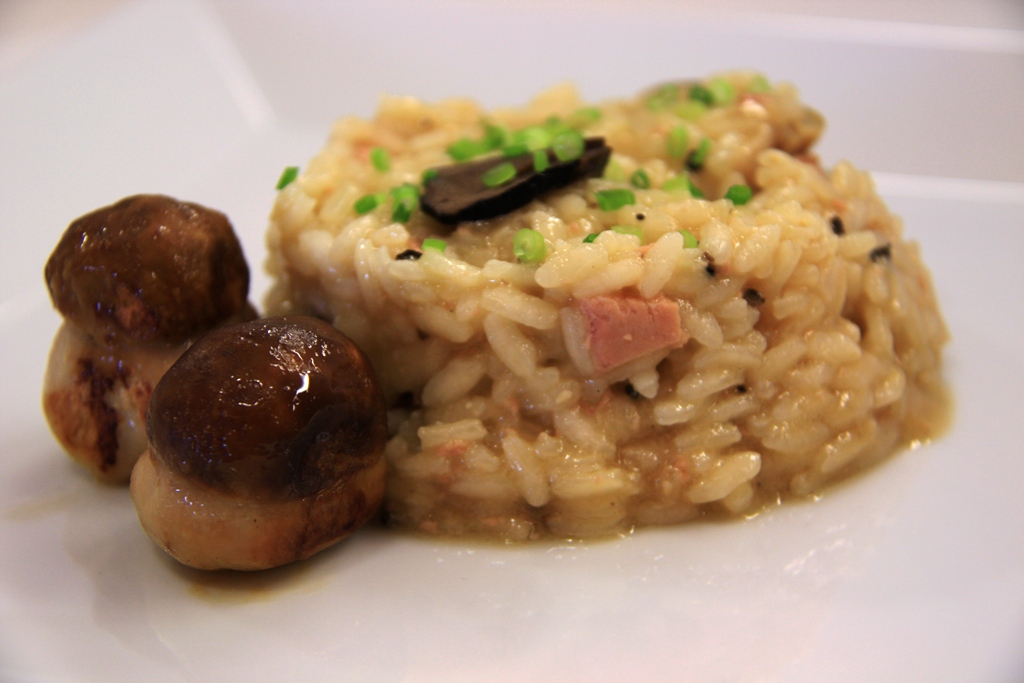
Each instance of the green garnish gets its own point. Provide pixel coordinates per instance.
(540, 161)
(664, 97)
(534, 137)
(610, 200)
(689, 241)
(691, 110)
(428, 175)
(555, 125)
(722, 91)
(682, 183)
(494, 136)
(287, 177)
(613, 171)
(677, 140)
(584, 117)
(640, 179)
(404, 200)
(702, 94)
(528, 246)
(739, 194)
(465, 149)
(678, 183)
(368, 203)
(380, 159)
(633, 230)
(568, 145)
(515, 149)
(499, 175)
(434, 243)
(759, 84)
(697, 157)
(590, 238)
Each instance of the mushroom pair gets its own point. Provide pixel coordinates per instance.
(136, 282)
(265, 437)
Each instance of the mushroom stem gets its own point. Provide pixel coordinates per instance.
(208, 529)
(95, 398)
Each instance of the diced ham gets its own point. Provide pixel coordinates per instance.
(606, 332)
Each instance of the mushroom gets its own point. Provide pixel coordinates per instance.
(266, 444)
(136, 282)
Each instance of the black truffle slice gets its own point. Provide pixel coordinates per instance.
(882, 253)
(458, 193)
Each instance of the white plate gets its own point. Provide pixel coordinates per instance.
(914, 572)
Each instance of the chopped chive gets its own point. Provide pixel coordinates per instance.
(516, 137)
(499, 175)
(402, 212)
(694, 190)
(689, 241)
(677, 140)
(494, 136)
(722, 92)
(540, 161)
(528, 246)
(434, 243)
(568, 145)
(679, 183)
(535, 137)
(581, 118)
(288, 176)
(613, 171)
(405, 190)
(759, 84)
(664, 97)
(590, 238)
(404, 199)
(691, 110)
(633, 230)
(515, 149)
(368, 203)
(702, 94)
(464, 149)
(695, 161)
(739, 194)
(640, 179)
(429, 175)
(380, 159)
(610, 200)
(554, 125)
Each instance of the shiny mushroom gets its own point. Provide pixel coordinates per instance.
(266, 445)
(136, 282)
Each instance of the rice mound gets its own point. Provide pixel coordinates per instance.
(810, 342)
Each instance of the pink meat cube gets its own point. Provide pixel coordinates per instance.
(614, 330)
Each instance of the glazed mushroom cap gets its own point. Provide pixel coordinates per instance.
(148, 268)
(266, 445)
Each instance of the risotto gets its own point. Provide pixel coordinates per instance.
(700, 322)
